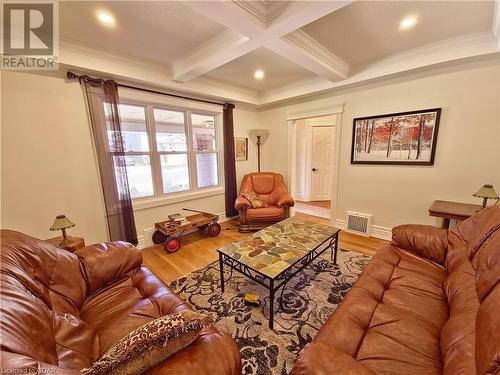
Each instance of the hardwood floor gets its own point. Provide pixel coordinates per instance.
(198, 249)
(322, 204)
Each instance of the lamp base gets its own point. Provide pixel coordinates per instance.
(65, 242)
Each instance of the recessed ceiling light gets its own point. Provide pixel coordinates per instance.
(106, 18)
(408, 22)
(259, 74)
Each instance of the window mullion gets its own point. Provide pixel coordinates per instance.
(193, 177)
(154, 155)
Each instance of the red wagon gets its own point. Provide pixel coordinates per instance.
(168, 232)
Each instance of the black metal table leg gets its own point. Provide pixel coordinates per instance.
(335, 249)
(221, 266)
(271, 303)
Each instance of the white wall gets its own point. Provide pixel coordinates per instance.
(48, 164)
(467, 153)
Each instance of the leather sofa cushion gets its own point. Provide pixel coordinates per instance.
(271, 213)
(396, 306)
(137, 298)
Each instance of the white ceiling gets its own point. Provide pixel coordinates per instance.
(214, 47)
(278, 71)
(156, 31)
(357, 36)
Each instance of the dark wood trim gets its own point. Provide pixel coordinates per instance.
(418, 163)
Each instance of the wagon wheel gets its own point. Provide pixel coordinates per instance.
(203, 227)
(214, 229)
(172, 245)
(159, 237)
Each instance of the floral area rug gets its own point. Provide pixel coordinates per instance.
(309, 298)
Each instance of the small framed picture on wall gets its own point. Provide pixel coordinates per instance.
(405, 138)
(241, 148)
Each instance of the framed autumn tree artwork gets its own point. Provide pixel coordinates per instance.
(407, 138)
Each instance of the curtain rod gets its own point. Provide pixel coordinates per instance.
(72, 75)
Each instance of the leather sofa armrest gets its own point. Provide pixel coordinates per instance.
(105, 262)
(212, 353)
(241, 202)
(321, 359)
(284, 199)
(424, 240)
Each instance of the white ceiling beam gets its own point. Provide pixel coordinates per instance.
(218, 51)
(301, 49)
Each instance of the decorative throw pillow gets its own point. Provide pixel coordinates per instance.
(150, 344)
(255, 200)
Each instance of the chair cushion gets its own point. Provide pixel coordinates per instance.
(150, 344)
(271, 213)
(263, 183)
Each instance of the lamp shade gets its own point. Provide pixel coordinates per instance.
(486, 191)
(61, 222)
(262, 133)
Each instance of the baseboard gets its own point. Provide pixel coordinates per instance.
(377, 231)
(302, 197)
(145, 240)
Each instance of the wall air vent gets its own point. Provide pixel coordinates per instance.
(358, 223)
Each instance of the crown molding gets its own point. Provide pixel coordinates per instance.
(128, 69)
(432, 54)
(309, 45)
(263, 11)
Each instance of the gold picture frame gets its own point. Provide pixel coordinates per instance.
(240, 149)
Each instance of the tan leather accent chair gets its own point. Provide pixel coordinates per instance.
(271, 188)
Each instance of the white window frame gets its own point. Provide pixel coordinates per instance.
(159, 197)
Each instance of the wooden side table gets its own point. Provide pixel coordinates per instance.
(453, 210)
(76, 243)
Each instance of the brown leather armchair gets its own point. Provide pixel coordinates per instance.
(61, 311)
(271, 188)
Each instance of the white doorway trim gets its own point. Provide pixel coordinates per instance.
(292, 152)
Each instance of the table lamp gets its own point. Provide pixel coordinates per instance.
(259, 136)
(62, 223)
(486, 192)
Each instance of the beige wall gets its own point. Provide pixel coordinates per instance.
(48, 164)
(467, 153)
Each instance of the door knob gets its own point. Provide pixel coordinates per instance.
(314, 169)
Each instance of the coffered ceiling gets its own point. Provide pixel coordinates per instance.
(212, 48)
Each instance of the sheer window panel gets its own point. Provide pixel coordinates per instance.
(175, 173)
(207, 170)
(170, 130)
(140, 178)
(134, 129)
(203, 128)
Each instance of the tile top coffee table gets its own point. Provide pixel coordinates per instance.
(272, 256)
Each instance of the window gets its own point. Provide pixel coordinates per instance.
(168, 150)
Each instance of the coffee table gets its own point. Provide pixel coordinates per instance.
(273, 256)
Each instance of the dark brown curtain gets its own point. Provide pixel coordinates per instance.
(102, 98)
(229, 160)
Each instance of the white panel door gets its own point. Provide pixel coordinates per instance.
(321, 163)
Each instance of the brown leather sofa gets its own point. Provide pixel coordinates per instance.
(428, 303)
(61, 311)
(271, 188)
